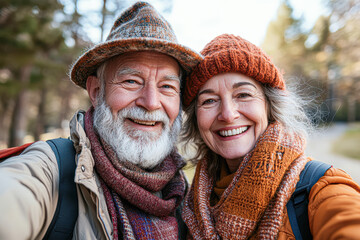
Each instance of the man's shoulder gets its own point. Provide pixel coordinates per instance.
(38, 154)
(38, 149)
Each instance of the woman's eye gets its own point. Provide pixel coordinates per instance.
(243, 95)
(208, 101)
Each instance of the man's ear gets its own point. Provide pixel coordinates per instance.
(93, 88)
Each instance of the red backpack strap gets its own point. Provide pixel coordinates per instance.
(9, 152)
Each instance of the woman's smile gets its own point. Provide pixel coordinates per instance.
(232, 131)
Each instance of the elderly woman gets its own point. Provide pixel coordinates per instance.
(251, 132)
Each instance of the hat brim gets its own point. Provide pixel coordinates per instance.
(87, 64)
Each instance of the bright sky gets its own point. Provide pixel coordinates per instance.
(196, 22)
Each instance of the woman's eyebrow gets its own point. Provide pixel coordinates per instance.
(239, 84)
(205, 91)
(235, 85)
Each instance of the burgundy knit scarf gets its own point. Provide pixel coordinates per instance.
(136, 211)
(252, 206)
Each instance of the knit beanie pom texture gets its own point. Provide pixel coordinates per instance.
(229, 53)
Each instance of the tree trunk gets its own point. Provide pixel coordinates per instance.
(40, 123)
(19, 118)
(351, 109)
(64, 108)
(6, 109)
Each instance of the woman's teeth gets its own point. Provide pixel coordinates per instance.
(148, 123)
(232, 132)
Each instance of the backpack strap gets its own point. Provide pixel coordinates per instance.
(297, 206)
(66, 213)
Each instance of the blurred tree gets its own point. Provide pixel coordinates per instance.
(334, 57)
(284, 41)
(345, 35)
(25, 32)
(34, 62)
(324, 59)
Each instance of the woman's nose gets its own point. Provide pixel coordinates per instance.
(228, 111)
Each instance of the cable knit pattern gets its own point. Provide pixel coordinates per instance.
(229, 53)
(253, 205)
(136, 212)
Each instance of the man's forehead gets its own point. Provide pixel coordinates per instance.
(128, 70)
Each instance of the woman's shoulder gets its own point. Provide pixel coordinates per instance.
(334, 206)
(334, 182)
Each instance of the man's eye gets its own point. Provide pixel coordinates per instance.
(130, 81)
(169, 87)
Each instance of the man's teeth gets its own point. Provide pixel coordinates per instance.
(148, 123)
(232, 132)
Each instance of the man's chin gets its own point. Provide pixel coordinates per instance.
(144, 136)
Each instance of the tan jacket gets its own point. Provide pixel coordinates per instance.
(334, 208)
(29, 192)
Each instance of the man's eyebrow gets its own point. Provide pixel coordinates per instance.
(172, 77)
(126, 71)
(131, 71)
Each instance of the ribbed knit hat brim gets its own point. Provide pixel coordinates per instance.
(229, 53)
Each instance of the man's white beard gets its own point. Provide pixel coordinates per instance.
(145, 149)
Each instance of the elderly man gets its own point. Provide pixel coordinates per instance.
(128, 176)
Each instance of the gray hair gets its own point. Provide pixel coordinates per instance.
(285, 107)
(100, 74)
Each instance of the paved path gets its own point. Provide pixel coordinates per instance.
(319, 147)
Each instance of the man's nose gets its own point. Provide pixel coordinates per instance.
(149, 98)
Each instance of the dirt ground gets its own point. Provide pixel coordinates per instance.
(319, 147)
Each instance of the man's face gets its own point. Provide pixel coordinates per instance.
(138, 111)
(148, 80)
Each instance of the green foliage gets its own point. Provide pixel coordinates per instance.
(30, 42)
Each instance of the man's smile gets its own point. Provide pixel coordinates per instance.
(143, 122)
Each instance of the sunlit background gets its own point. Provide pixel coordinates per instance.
(316, 44)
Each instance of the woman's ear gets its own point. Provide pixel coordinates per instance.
(93, 88)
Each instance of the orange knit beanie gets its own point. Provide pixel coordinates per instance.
(229, 53)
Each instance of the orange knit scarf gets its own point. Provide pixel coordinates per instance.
(253, 205)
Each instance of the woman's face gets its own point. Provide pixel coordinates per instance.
(231, 114)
